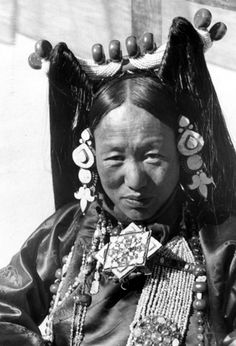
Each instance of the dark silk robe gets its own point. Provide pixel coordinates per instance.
(25, 294)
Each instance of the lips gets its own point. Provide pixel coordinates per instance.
(135, 201)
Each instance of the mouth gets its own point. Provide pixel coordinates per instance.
(135, 201)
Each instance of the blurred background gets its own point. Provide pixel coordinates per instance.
(26, 195)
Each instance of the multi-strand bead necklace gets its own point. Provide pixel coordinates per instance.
(164, 306)
(175, 289)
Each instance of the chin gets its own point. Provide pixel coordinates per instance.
(137, 215)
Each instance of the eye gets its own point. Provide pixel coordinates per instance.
(153, 157)
(114, 160)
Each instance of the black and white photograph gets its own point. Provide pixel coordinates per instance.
(118, 173)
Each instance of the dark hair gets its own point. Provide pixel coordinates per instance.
(142, 90)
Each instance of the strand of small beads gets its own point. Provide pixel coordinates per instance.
(160, 293)
(81, 302)
(55, 289)
(82, 299)
(200, 283)
(165, 303)
(103, 229)
(199, 288)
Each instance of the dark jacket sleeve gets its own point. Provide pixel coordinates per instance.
(219, 245)
(24, 284)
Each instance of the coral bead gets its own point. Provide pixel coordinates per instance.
(90, 259)
(43, 48)
(200, 321)
(218, 31)
(98, 53)
(202, 18)
(131, 46)
(64, 259)
(148, 42)
(53, 288)
(200, 329)
(35, 61)
(87, 269)
(199, 287)
(199, 315)
(199, 270)
(58, 273)
(84, 299)
(114, 50)
(115, 232)
(200, 337)
(199, 304)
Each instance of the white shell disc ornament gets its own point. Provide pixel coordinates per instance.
(190, 143)
(83, 156)
(194, 162)
(85, 176)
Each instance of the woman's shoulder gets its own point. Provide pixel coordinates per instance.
(52, 239)
(57, 234)
(64, 215)
(55, 225)
(224, 233)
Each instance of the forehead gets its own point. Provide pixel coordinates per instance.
(131, 123)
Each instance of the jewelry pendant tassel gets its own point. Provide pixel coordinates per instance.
(95, 283)
(81, 314)
(190, 145)
(81, 302)
(83, 157)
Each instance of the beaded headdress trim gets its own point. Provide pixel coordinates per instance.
(99, 68)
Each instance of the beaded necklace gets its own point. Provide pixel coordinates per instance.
(164, 306)
(176, 286)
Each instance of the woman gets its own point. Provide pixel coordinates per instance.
(135, 265)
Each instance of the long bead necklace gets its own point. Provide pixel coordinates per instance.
(83, 298)
(177, 279)
(164, 306)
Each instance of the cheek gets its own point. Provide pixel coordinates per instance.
(167, 175)
(172, 174)
(111, 178)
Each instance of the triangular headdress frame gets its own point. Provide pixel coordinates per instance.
(180, 64)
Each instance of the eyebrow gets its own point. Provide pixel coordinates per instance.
(119, 146)
(147, 139)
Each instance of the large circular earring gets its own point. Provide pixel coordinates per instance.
(190, 145)
(83, 156)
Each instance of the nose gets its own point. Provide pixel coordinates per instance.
(135, 176)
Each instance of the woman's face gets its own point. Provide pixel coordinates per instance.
(137, 161)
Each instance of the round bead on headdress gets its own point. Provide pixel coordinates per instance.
(148, 56)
